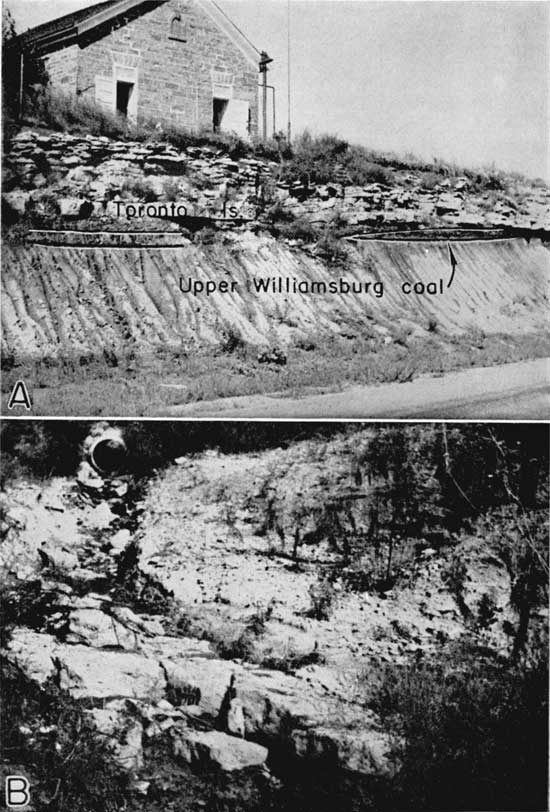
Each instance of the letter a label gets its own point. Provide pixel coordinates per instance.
(17, 792)
(20, 396)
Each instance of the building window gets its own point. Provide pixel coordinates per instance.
(177, 29)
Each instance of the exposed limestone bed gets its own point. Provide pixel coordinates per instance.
(66, 300)
(88, 175)
(135, 679)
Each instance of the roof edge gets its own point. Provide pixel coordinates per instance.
(231, 30)
(50, 39)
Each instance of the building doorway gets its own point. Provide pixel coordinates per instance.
(220, 106)
(124, 92)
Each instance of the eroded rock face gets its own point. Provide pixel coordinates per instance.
(124, 733)
(363, 752)
(96, 674)
(94, 628)
(33, 653)
(266, 704)
(86, 672)
(227, 752)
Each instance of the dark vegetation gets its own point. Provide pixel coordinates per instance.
(68, 765)
(470, 732)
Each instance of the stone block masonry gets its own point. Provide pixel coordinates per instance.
(62, 67)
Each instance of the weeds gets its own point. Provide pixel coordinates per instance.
(67, 113)
(139, 189)
(324, 159)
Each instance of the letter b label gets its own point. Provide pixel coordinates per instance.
(17, 792)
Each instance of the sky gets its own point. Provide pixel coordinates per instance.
(461, 80)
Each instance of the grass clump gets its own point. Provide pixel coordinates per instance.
(328, 159)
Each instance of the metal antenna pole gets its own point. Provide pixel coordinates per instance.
(21, 84)
(289, 130)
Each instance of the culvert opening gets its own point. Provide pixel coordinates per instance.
(108, 455)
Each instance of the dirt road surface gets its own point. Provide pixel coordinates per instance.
(518, 391)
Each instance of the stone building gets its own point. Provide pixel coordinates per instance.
(177, 61)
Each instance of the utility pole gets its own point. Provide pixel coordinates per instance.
(264, 62)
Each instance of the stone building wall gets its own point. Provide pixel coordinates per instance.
(173, 75)
(62, 67)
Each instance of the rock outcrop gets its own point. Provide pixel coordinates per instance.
(94, 173)
(203, 625)
(139, 683)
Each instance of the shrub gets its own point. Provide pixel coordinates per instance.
(314, 159)
(44, 212)
(486, 611)
(242, 646)
(293, 661)
(279, 214)
(38, 449)
(231, 341)
(332, 247)
(322, 594)
(469, 733)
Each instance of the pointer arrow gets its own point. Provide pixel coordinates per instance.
(454, 263)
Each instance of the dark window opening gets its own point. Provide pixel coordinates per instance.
(220, 106)
(177, 29)
(123, 94)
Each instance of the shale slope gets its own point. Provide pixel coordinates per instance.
(63, 300)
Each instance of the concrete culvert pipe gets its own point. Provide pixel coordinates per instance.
(108, 452)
